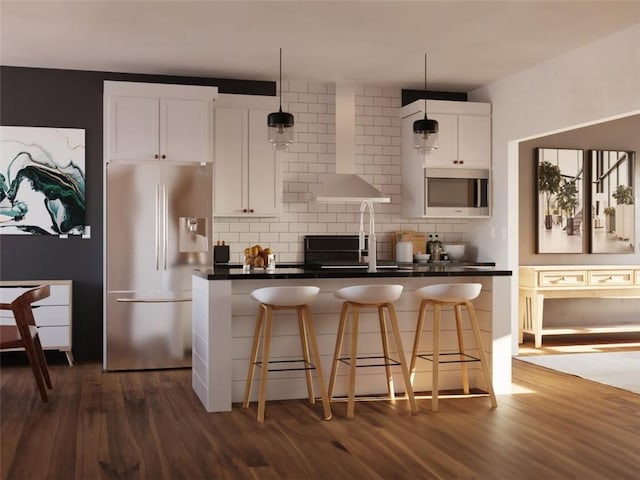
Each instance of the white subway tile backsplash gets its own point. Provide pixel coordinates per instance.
(297, 86)
(382, 101)
(373, 91)
(307, 117)
(308, 97)
(318, 88)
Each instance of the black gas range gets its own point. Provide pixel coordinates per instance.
(335, 252)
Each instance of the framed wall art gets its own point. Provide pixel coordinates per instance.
(42, 180)
(560, 199)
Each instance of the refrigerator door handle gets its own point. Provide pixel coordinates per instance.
(165, 224)
(157, 235)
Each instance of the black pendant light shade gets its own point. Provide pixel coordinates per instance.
(280, 123)
(425, 130)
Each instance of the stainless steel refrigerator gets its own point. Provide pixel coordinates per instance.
(158, 229)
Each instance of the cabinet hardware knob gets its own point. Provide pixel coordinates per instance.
(251, 210)
(164, 156)
(244, 210)
(455, 162)
(155, 156)
(461, 162)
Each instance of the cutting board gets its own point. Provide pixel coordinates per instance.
(418, 239)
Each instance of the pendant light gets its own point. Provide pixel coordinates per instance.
(280, 123)
(425, 131)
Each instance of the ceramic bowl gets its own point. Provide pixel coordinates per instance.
(455, 250)
(421, 257)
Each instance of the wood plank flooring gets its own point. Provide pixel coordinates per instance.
(150, 425)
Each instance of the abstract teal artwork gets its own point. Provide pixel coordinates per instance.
(42, 181)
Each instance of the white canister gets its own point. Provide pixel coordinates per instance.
(404, 252)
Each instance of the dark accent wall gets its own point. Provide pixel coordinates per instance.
(409, 96)
(73, 99)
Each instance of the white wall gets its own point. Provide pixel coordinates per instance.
(595, 82)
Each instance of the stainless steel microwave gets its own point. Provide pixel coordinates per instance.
(456, 192)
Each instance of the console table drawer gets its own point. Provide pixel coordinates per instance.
(611, 277)
(562, 279)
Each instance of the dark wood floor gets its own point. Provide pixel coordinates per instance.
(151, 425)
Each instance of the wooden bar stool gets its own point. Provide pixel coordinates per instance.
(455, 295)
(378, 297)
(285, 298)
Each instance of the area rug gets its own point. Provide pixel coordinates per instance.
(617, 369)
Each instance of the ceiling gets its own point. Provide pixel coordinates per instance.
(470, 43)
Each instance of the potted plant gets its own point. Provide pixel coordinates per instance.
(568, 201)
(548, 184)
(610, 219)
(623, 195)
(624, 211)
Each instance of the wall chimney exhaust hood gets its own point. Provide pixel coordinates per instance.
(345, 185)
(349, 187)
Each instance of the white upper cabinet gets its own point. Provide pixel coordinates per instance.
(474, 141)
(464, 133)
(159, 122)
(247, 181)
(464, 149)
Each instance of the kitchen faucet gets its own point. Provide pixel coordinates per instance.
(371, 257)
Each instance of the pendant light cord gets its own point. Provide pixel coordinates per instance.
(425, 85)
(280, 86)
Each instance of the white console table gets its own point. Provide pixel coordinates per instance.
(573, 281)
(52, 314)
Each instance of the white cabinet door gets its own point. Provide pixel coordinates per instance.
(158, 122)
(263, 172)
(185, 130)
(474, 141)
(133, 128)
(247, 174)
(447, 152)
(229, 190)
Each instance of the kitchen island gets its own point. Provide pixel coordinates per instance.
(224, 321)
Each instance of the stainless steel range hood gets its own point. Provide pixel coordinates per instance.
(345, 185)
(349, 187)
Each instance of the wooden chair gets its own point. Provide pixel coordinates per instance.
(25, 335)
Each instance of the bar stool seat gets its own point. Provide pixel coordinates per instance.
(454, 295)
(379, 297)
(285, 298)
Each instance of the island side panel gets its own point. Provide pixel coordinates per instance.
(211, 371)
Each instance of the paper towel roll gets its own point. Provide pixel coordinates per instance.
(404, 252)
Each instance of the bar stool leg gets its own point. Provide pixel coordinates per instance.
(403, 361)
(262, 396)
(326, 404)
(305, 353)
(354, 358)
(338, 349)
(483, 357)
(385, 349)
(463, 365)
(436, 356)
(254, 357)
(416, 341)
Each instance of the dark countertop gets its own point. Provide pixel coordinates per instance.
(444, 269)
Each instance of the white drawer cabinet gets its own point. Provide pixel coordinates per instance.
(538, 283)
(52, 314)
